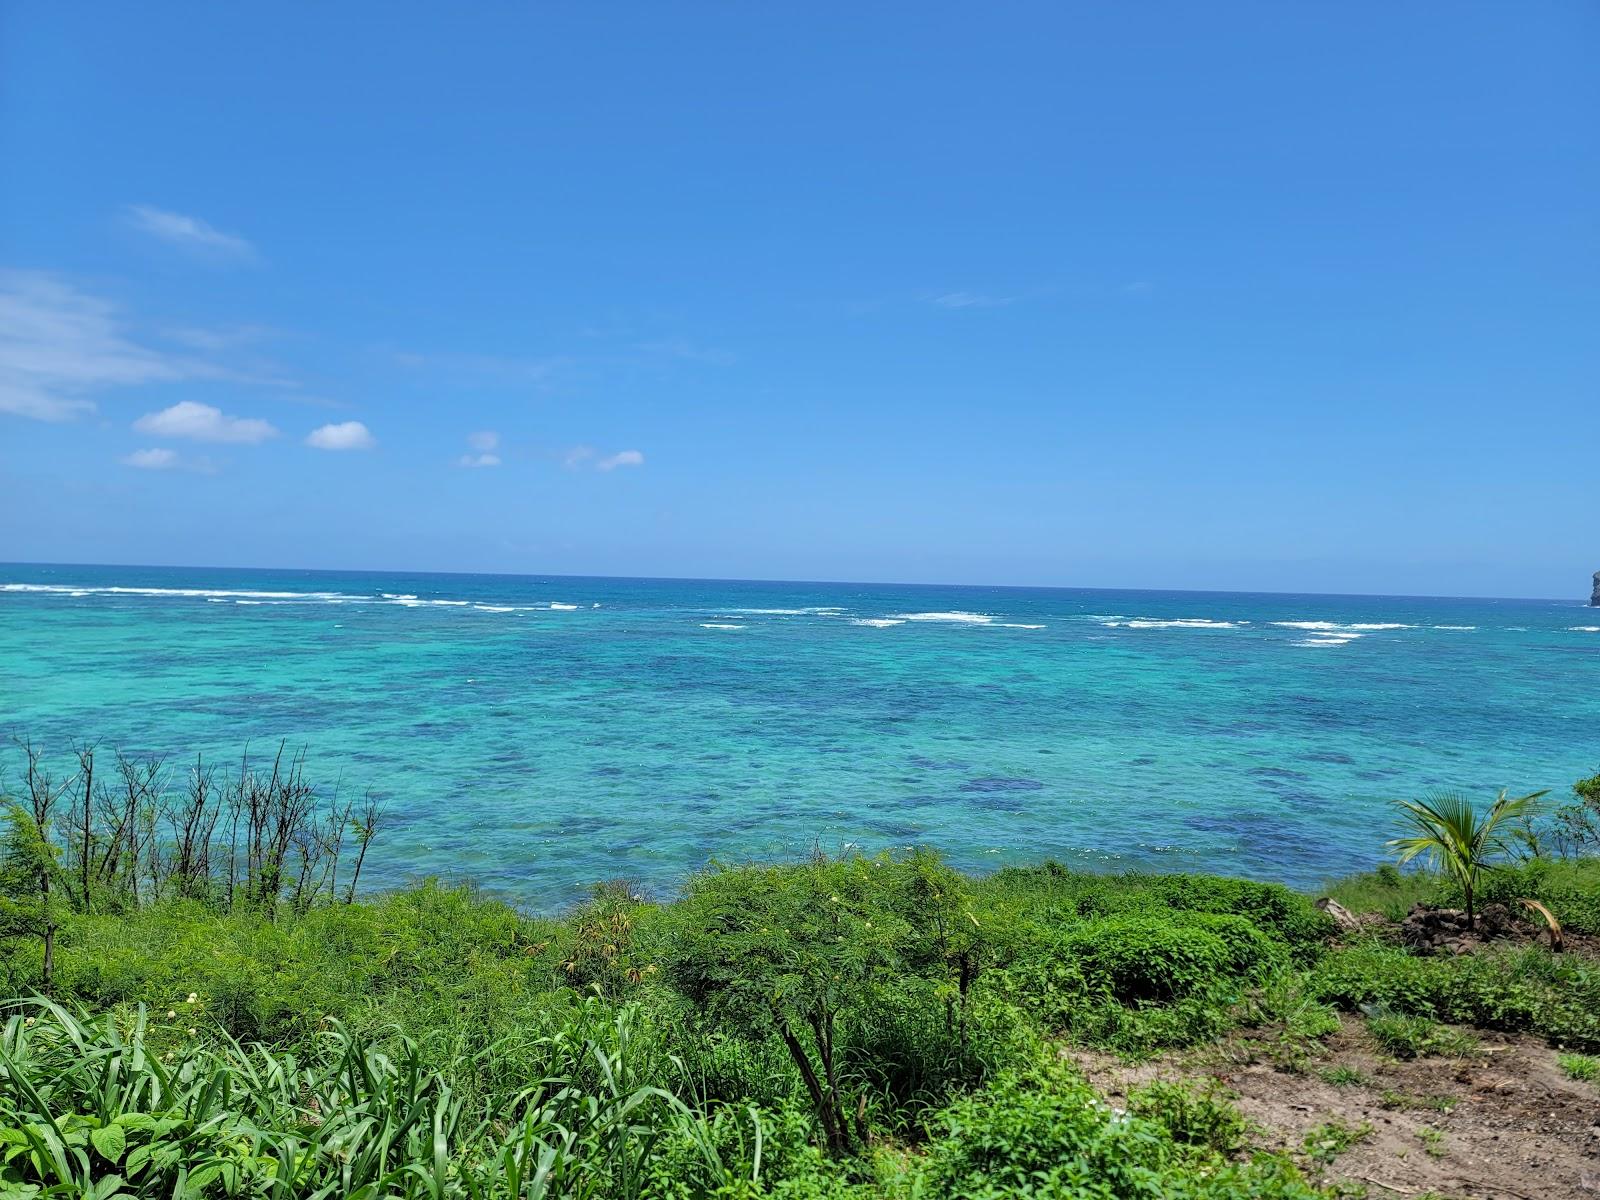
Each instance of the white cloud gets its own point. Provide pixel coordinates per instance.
(203, 423)
(189, 233)
(59, 344)
(478, 460)
(159, 459)
(485, 441)
(584, 456)
(343, 435)
(162, 459)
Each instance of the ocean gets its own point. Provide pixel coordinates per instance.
(539, 734)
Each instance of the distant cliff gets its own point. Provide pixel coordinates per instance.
(1594, 599)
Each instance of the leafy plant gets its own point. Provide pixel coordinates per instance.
(1342, 1076)
(1453, 837)
(1582, 1067)
(1324, 1143)
(1201, 1115)
(787, 951)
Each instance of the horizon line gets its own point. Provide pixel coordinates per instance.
(1579, 603)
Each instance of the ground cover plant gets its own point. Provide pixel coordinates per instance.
(835, 1027)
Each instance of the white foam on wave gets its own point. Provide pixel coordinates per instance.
(494, 608)
(821, 610)
(1169, 623)
(1014, 625)
(1342, 627)
(181, 593)
(1583, 628)
(878, 622)
(557, 606)
(1329, 640)
(413, 602)
(1457, 628)
(719, 625)
(954, 618)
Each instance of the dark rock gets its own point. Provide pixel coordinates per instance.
(1594, 598)
(1496, 921)
(1429, 930)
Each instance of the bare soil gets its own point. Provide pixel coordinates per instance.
(1503, 1122)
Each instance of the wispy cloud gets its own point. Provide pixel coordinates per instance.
(203, 423)
(688, 352)
(587, 456)
(622, 458)
(162, 459)
(59, 345)
(485, 442)
(1139, 287)
(968, 300)
(232, 337)
(159, 459)
(343, 435)
(189, 233)
(502, 368)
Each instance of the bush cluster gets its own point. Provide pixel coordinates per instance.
(836, 1028)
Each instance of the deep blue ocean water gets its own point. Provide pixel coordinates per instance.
(539, 734)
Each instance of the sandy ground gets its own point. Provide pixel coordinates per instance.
(1503, 1122)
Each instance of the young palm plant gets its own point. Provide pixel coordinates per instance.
(1455, 838)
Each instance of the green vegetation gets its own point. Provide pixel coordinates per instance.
(1326, 1142)
(1458, 842)
(238, 1022)
(1405, 1036)
(1432, 1141)
(1198, 1116)
(1582, 1067)
(1341, 1076)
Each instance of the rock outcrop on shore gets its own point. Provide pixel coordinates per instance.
(1594, 599)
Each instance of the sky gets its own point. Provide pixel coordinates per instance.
(1297, 297)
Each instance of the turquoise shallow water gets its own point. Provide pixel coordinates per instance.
(538, 734)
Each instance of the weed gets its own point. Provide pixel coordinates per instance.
(1197, 1115)
(1342, 1076)
(1432, 1141)
(1324, 1143)
(1582, 1067)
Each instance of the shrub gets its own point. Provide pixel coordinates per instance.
(1045, 1134)
(785, 951)
(1197, 1116)
(1144, 959)
(1400, 1035)
(1530, 989)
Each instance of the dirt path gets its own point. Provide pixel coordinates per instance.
(1502, 1123)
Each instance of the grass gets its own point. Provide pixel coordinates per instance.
(1432, 1141)
(1585, 1068)
(1342, 1076)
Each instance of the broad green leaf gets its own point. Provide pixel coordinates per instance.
(111, 1142)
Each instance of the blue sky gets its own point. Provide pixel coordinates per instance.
(1290, 297)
